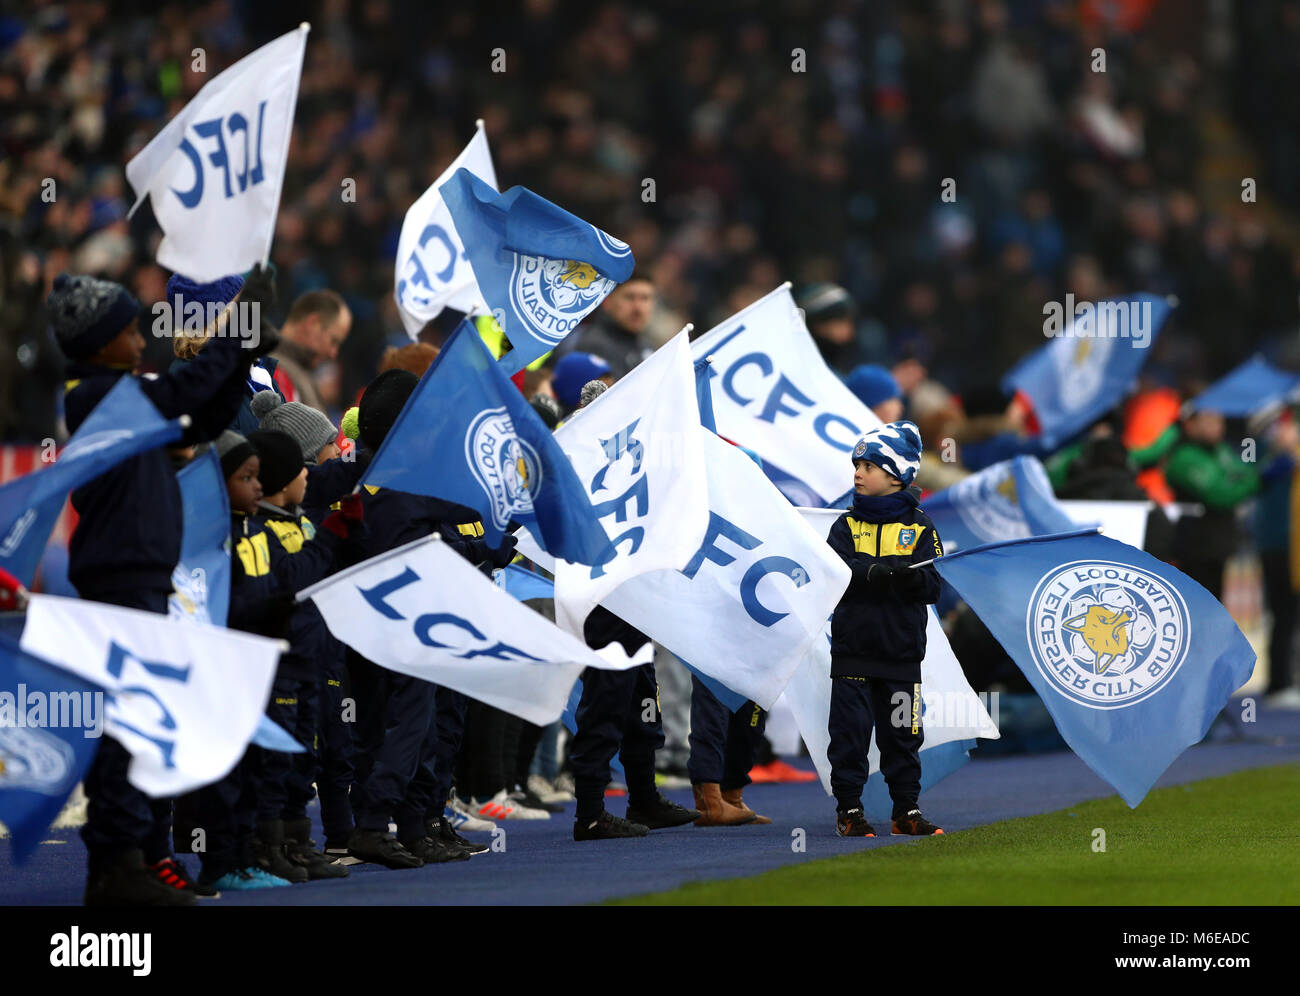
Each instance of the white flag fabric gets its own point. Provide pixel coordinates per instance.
(424, 611)
(773, 394)
(183, 697)
(215, 171)
(950, 708)
(749, 605)
(433, 271)
(638, 452)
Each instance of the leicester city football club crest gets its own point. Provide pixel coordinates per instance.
(506, 467)
(554, 295)
(1081, 366)
(35, 760)
(1107, 635)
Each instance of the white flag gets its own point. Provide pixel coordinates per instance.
(638, 452)
(950, 708)
(773, 394)
(755, 596)
(183, 697)
(424, 611)
(215, 171)
(433, 271)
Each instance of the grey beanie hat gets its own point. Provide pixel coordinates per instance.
(309, 428)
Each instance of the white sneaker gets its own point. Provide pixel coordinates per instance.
(1288, 698)
(564, 783)
(463, 819)
(546, 791)
(496, 808)
(518, 811)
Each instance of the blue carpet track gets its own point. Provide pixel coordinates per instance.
(541, 864)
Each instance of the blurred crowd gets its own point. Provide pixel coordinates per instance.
(792, 139)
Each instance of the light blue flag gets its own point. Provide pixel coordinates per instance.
(540, 269)
(704, 373)
(1133, 659)
(270, 735)
(468, 436)
(202, 576)
(123, 424)
(1090, 363)
(1007, 501)
(1252, 387)
(50, 724)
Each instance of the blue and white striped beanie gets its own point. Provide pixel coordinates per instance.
(895, 448)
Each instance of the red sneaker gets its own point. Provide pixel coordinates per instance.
(779, 771)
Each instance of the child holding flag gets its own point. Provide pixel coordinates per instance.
(878, 631)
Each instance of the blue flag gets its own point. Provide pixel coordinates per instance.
(540, 269)
(50, 723)
(202, 577)
(123, 424)
(1252, 387)
(1007, 501)
(1089, 366)
(1133, 659)
(467, 435)
(704, 393)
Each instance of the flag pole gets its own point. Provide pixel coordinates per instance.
(304, 27)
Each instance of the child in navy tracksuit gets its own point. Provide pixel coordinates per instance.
(272, 559)
(408, 730)
(878, 631)
(329, 760)
(126, 547)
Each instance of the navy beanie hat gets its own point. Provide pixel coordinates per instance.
(219, 292)
(87, 313)
(381, 404)
(572, 374)
(873, 384)
(894, 447)
(279, 458)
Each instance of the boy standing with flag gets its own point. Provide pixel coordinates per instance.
(878, 631)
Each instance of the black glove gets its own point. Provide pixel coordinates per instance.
(259, 289)
(505, 553)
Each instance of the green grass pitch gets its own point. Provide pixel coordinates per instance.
(1231, 841)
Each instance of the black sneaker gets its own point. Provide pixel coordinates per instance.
(436, 851)
(441, 829)
(661, 813)
(853, 823)
(530, 799)
(914, 825)
(377, 847)
(606, 826)
(172, 874)
(300, 849)
(127, 881)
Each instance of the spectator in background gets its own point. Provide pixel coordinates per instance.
(828, 311)
(876, 388)
(618, 333)
(317, 325)
(1204, 469)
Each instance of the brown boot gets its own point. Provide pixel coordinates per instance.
(714, 811)
(733, 797)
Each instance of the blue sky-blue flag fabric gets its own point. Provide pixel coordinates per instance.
(1133, 659)
(50, 721)
(468, 436)
(541, 269)
(202, 577)
(1086, 370)
(123, 424)
(1251, 387)
(1009, 500)
(704, 393)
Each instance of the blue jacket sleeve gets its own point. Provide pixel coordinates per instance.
(332, 480)
(921, 584)
(186, 387)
